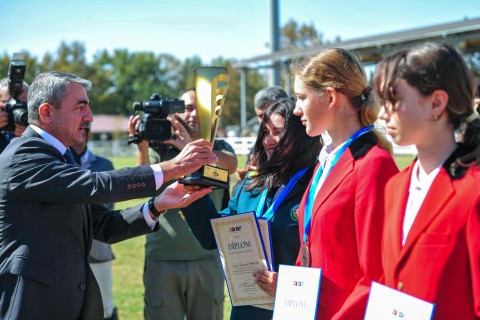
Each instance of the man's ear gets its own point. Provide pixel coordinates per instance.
(45, 112)
(439, 103)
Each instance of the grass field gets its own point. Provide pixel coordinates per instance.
(128, 265)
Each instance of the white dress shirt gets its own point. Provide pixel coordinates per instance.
(325, 158)
(416, 195)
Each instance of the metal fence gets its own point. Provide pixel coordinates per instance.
(242, 146)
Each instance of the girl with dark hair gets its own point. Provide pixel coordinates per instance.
(431, 247)
(286, 156)
(341, 216)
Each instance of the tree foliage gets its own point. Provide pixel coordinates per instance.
(121, 77)
(303, 35)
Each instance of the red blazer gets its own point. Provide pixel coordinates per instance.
(440, 261)
(346, 228)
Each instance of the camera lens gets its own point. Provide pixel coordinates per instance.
(20, 116)
(157, 130)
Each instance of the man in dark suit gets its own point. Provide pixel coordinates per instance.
(50, 209)
(101, 254)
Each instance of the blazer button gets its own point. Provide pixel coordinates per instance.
(82, 286)
(400, 286)
(129, 186)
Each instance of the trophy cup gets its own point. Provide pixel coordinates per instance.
(211, 84)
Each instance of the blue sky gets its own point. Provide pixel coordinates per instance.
(231, 28)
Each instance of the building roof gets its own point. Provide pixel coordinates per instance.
(109, 123)
(370, 47)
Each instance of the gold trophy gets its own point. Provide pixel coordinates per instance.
(211, 85)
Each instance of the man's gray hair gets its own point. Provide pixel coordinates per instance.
(267, 94)
(50, 87)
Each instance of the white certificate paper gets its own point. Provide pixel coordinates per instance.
(298, 289)
(386, 303)
(241, 252)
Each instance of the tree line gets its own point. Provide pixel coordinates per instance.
(121, 77)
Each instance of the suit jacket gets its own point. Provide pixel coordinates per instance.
(49, 213)
(346, 228)
(100, 252)
(284, 229)
(440, 261)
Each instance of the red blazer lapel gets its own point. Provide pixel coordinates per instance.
(439, 194)
(341, 170)
(399, 196)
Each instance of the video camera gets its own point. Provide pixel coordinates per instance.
(154, 126)
(17, 111)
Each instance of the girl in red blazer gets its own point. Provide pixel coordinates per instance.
(431, 244)
(341, 216)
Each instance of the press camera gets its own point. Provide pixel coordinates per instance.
(17, 111)
(154, 125)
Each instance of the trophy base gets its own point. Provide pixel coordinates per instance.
(208, 176)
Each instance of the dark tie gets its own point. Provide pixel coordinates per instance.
(69, 157)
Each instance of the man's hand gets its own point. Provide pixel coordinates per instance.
(3, 118)
(179, 196)
(195, 155)
(267, 281)
(181, 136)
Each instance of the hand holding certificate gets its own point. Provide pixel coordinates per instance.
(242, 253)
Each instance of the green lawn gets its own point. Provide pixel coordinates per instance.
(128, 265)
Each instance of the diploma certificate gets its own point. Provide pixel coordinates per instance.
(387, 303)
(298, 289)
(241, 252)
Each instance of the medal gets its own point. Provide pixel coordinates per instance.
(305, 255)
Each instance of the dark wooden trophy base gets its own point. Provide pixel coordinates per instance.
(208, 176)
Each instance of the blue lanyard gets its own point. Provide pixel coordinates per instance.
(313, 187)
(274, 206)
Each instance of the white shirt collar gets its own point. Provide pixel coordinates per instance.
(424, 185)
(328, 153)
(50, 139)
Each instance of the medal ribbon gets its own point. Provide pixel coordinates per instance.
(313, 187)
(283, 194)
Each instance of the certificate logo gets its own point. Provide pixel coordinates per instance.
(235, 229)
(398, 313)
(298, 283)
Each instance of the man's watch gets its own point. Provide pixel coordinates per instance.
(153, 210)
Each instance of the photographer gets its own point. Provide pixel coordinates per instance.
(180, 277)
(5, 97)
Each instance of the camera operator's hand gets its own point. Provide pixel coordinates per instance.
(142, 156)
(3, 117)
(195, 155)
(181, 136)
(19, 130)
